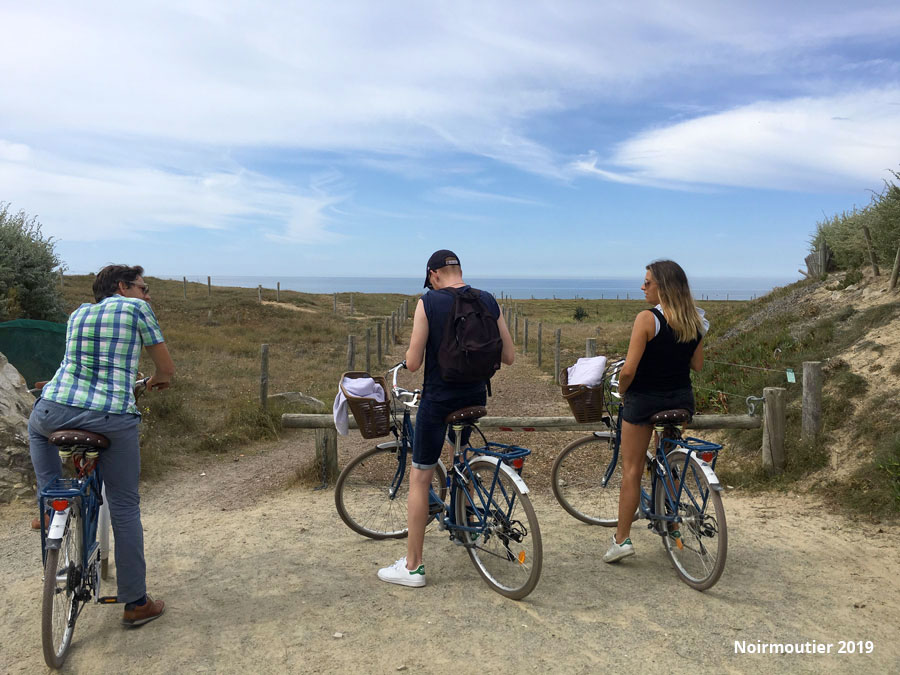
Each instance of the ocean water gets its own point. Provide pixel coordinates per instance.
(709, 288)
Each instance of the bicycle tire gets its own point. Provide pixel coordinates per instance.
(700, 558)
(576, 479)
(510, 565)
(362, 494)
(59, 607)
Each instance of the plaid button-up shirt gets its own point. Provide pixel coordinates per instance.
(103, 347)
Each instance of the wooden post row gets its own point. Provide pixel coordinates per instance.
(556, 364)
(351, 352)
(539, 341)
(369, 350)
(378, 343)
(811, 415)
(326, 453)
(264, 376)
(773, 430)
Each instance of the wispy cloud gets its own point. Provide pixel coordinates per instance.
(479, 196)
(88, 202)
(800, 144)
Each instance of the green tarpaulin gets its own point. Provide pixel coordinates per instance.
(35, 348)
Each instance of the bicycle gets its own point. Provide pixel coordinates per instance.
(72, 556)
(683, 504)
(488, 513)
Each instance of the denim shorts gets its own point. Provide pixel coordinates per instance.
(640, 406)
(428, 438)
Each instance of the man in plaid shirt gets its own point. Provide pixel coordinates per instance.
(93, 389)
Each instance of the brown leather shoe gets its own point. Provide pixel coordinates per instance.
(152, 609)
(36, 522)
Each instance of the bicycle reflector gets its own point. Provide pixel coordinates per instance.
(707, 456)
(521, 557)
(518, 463)
(60, 504)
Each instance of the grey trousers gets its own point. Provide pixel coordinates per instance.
(120, 465)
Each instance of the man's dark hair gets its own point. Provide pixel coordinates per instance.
(106, 283)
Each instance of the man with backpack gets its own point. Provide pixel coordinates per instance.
(460, 334)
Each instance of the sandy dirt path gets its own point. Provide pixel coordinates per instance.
(259, 575)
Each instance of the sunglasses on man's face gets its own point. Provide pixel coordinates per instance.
(145, 288)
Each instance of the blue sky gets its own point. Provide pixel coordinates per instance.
(533, 138)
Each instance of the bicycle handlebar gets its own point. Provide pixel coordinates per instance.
(405, 396)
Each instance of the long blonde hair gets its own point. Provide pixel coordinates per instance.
(676, 300)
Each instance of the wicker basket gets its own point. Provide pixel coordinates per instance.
(373, 417)
(586, 402)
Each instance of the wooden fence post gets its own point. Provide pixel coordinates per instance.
(369, 349)
(590, 347)
(259, 293)
(208, 287)
(773, 430)
(378, 342)
(811, 420)
(516, 333)
(393, 328)
(525, 340)
(896, 271)
(184, 287)
(387, 335)
(868, 237)
(326, 453)
(351, 352)
(335, 303)
(540, 341)
(556, 363)
(278, 292)
(264, 376)
(351, 304)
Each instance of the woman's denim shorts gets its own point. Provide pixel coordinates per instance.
(640, 406)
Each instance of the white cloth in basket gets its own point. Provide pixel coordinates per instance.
(587, 370)
(359, 387)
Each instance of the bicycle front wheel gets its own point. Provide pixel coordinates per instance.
(62, 581)
(577, 479)
(507, 553)
(698, 545)
(371, 498)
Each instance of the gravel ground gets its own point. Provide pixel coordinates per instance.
(260, 575)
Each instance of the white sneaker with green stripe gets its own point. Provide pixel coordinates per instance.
(398, 574)
(618, 551)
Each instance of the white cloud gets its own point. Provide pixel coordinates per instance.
(824, 143)
(480, 196)
(87, 201)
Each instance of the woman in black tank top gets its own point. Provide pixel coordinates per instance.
(666, 344)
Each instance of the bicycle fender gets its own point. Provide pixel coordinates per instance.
(57, 529)
(508, 470)
(711, 477)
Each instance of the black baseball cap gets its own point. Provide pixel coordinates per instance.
(438, 260)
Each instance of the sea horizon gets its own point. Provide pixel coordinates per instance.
(514, 288)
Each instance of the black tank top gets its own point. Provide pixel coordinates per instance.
(666, 363)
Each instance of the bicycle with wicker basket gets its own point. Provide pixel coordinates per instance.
(488, 511)
(680, 493)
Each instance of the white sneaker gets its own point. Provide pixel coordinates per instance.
(398, 574)
(618, 551)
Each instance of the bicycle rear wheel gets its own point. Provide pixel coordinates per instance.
(508, 553)
(699, 553)
(577, 480)
(62, 582)
(363, 493)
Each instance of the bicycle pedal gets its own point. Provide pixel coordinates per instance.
(108, 600)
(434, 508)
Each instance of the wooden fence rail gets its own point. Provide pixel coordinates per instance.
(326, 434)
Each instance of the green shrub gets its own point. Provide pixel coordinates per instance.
(580, 313)
(29, 288)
